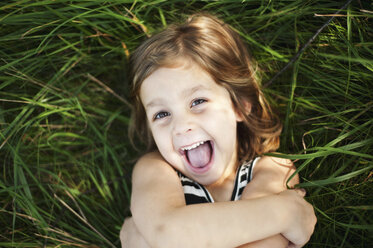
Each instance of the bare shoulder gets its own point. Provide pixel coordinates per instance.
(144, 162)
(270, 176)
(155, 183)
(276, 169)
(152, 168)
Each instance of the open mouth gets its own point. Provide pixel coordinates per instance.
(199, 156)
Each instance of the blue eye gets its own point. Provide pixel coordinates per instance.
(197, 102)
(161, 115)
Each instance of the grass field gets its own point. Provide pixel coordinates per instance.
(65, 158)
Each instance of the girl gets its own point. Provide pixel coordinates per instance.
(198, 106)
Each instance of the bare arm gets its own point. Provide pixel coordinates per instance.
(160, 213)
(130, 237)
(269, 177)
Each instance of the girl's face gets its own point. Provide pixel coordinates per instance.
(193, 122)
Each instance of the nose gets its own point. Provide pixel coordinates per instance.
(182, 124)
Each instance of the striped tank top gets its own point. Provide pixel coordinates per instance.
(196, 193)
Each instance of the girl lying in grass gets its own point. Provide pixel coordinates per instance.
(198, 105)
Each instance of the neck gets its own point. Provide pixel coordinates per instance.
(221, 190)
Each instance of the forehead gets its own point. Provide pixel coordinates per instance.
(184, 78)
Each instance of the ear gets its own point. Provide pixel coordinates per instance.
(239, 114)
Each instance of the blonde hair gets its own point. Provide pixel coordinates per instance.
(217, 49)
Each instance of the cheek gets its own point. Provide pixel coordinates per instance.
(162, 139)
(222, 124)
(221, 117)
(156, 136)
(164, 144)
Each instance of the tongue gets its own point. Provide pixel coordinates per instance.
(200, 156)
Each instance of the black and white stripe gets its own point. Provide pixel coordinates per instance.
(196, 193)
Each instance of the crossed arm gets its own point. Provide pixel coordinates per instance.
(159, 211)
(269, 177)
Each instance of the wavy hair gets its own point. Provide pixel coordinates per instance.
(216, 48)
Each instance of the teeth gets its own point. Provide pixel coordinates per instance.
(192, 146)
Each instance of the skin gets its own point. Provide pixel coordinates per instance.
(198, 110)
(269, 178)
(270, 168)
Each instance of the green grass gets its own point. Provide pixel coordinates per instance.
(65, 157)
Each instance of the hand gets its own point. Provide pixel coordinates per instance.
(302, 220)
(130, 237)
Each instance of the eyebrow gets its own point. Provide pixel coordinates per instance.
(191, 91)
(186, 92)
(153, 102)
